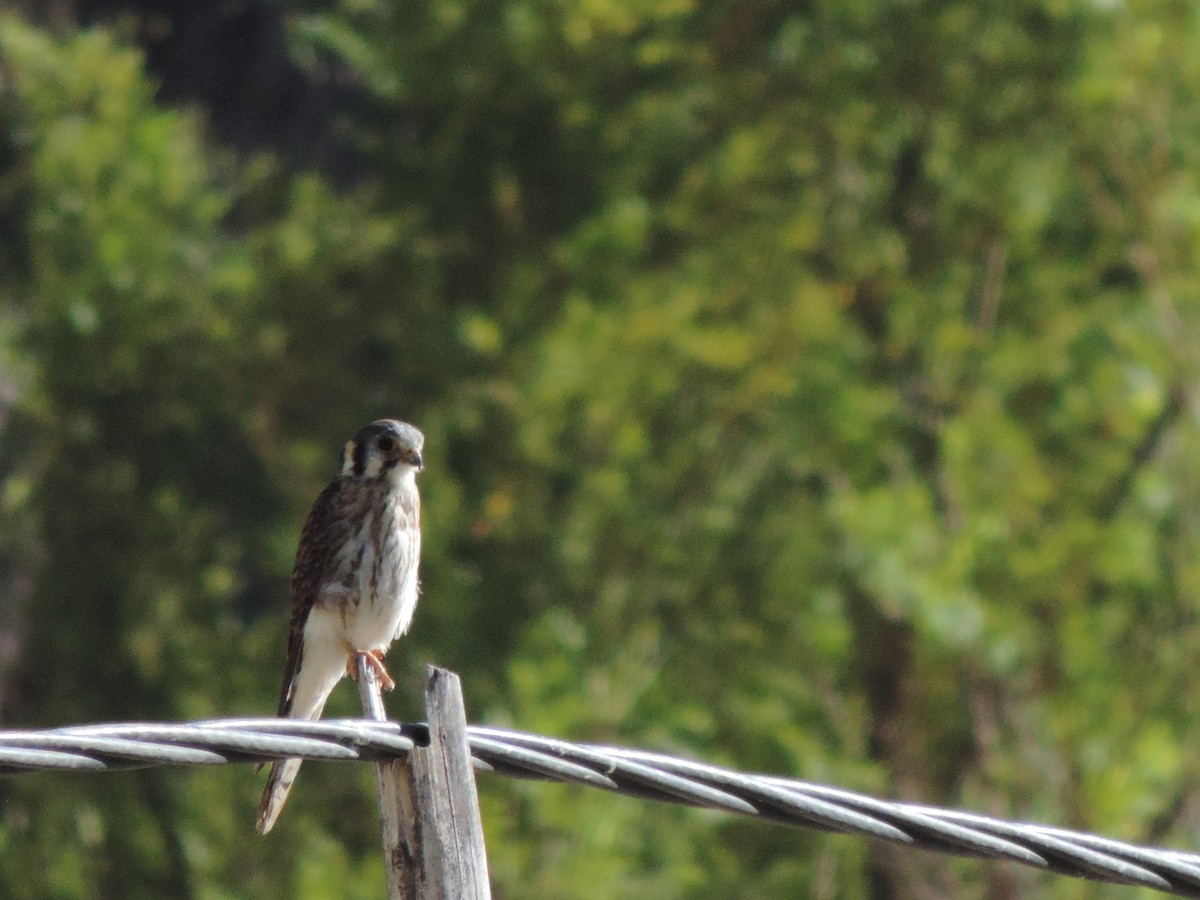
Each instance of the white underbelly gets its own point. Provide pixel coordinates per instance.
(383, 615)
(335, 629)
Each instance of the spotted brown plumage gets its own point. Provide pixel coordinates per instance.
(354, 584)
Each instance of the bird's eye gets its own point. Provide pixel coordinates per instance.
(386, 444)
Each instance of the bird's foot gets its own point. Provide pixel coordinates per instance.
(374, 659)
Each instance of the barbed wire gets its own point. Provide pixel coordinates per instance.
(638, 773)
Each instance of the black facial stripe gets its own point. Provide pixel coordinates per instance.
(360, 459)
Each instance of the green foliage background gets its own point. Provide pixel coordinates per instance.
(809, 388)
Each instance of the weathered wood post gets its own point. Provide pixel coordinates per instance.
(432, 831)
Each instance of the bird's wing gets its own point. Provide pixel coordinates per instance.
(312, 558)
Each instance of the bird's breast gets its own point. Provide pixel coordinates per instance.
(375, 575)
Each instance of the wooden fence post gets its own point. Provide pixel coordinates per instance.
(432, 831)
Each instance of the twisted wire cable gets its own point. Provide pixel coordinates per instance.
(638, 773)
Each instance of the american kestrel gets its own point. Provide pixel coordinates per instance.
(354, 585)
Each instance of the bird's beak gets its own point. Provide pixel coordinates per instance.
(413, 458)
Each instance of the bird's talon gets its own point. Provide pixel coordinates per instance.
(374, 659)
(385, 680)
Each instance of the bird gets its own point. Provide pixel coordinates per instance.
(354, 584)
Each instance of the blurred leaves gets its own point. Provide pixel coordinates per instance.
(806, 390)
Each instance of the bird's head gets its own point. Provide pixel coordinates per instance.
(385, 448)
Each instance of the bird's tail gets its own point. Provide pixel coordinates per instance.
(279, 785)
(284, 771)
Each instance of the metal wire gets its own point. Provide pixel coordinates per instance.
(638, 773)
